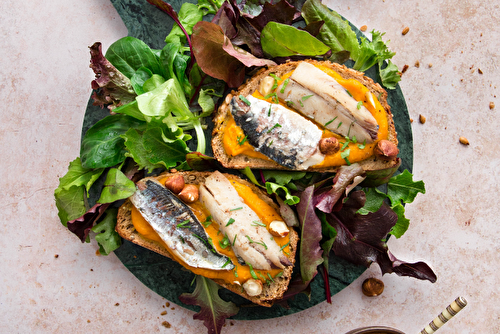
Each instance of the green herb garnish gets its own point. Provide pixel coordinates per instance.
(227, 262)
(345, 155)
(258, 223)
(338, 126)
(262, 243)
(330, 121)
(234, 240)
(230, 221)
(284, 246)
(224, 243)
(240, 140)
(285, 83)
(251, 271)
(183, 224)
(207, 221)
(242, 98)
(360, 103)
(235, 209)
(362, 146)
(278, 274)
(277, 125)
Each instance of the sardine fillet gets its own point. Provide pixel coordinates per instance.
(279, 133)
(251, 242)
(306, 80)
(177, 226)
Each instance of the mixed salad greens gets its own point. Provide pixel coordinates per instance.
(160, 99)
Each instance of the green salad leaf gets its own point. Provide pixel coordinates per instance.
(116, 187)
(272, 188)
(282, 40)
(79, 176)
(189, 15)
(102, 145)
(107, 238)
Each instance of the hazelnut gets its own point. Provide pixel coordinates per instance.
(278, 228)
(492, 105)
(266, 85)
(363, 28)
(253, 287)
(175, 183)
(372, 287)
(329, 145)
(386, 150)
(189, 194)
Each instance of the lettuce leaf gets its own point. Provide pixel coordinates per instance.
(214, 310)
(371, 53)
(116, 187)
(389, 75)
(111, 86)
(102, 145)
(272, 188)
(189, 15)
(107, 238)
(361, 239)
(310, 252)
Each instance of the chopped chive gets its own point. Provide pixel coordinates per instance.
(251, 271)
(183, 224)
(227, 262)
(270, 143)
(192, 282)
(258, 223)
(348, 92)
(284, 246)
(270, 277)
(238, 208)
(276, 99)
(240, 140)
(270, 95)
(285, 83)
(235, 272)
(345, 155)
(269, 112)
(234, 240)
(330, 121)
(224, 243)
(301, 104)
(242, 98)
(207, 221)
(278, 274)
(272, 75)
(338, 126)
(360, 103)
(231, 220)
(262, 243)
(277, 125)
(289, 103)
(306, 97)
(362, 146)
(345, 145)
(354, 140)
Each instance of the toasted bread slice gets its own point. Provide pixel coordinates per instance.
(270, 293)
(223, 116)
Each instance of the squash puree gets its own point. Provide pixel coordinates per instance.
(357, 90)
(240, 273)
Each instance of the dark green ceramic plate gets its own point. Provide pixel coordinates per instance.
(169, 279)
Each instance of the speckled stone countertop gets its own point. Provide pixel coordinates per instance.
(452, 52)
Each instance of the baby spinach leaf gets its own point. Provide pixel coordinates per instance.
(116, 187)
(168, 154)
(335, 32)
(79, 176)
(139, 78)
(102, 145)
(281, 40)
(107, 238)
(128, 54)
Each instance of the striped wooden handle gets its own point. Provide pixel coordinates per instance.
(448, 313)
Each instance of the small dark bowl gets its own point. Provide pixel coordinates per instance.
(375, 330)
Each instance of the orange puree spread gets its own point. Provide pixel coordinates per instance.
(233, 134)
(240, 273)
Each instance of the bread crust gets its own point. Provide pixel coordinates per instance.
(270, 292)
(223, 115)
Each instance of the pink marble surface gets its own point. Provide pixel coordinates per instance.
(44, 87)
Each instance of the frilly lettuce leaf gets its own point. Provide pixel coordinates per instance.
(112, 86)
(272, 188)
(361, 239)
(371, 53)
(214, 310)
(107, 238)
(389, 75)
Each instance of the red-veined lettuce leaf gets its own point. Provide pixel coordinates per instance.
(214, 310)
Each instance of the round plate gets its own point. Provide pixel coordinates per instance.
(168, 278)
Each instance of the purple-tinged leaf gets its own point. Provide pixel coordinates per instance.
(343, 179)
(214, 310)
(81, 226)
(111, 86)
(310, 252)
(281, 12)
(361, 239)
(218, 58)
